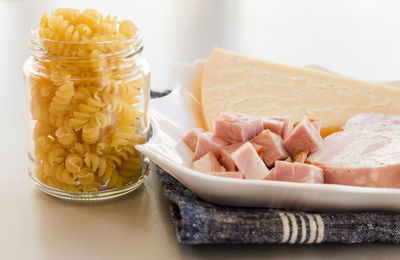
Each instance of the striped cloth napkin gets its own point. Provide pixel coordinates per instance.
(199, 222)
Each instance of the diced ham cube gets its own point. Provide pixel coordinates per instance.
(316, 123)
(249, 163)
(286, 122)
(297, 172)
(272, 146)
(225, 155)
(274, 125)
(207, 142)
(191, 138)
(237, 127)
(208, 163)
(303, 137)
(237, 175)
(259, 149)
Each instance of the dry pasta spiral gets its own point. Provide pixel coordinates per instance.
(85, 102)
(62, 99)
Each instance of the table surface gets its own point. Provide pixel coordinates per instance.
(355, 38)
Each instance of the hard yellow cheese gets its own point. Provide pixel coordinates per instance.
(232, 82)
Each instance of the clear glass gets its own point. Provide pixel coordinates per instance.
(87, 108)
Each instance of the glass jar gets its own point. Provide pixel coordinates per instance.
(87, 109)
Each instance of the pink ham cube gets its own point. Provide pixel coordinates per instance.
(273, 122)
(272, 147)
(208, 163)
(303, 137)
(237, 175)
(297, 172)
(207, 142)
(237, 127)
(259, 149)
(249, 163)
(316, 123)
(274, 125)
(191, 138)
(225, 154)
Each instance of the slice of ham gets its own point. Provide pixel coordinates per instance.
(272, 147)
(237, 127)
(249, 163)
(207, 142)
(191, 138)
(208, 163)
(237, 175)
(374, 122)
(303, 137)
(366, 153)
(297, 172)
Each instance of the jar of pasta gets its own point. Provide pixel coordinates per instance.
(87, 89)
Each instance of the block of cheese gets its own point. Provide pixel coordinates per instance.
(233, 82)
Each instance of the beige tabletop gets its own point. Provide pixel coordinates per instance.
(356, 38)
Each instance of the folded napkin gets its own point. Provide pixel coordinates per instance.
(199, 222)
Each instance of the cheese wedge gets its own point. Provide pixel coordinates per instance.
(233, 82)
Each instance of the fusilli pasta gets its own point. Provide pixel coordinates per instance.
(85, 100)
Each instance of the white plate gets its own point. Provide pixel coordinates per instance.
(177, 113)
